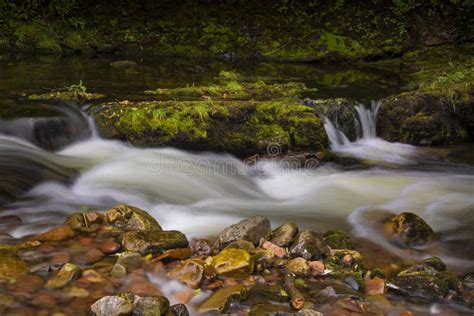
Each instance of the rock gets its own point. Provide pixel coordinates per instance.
(130, 259)
(298, 267)
(174, 254)
(316, 267)
(436, 263)
(337, 239)
(92, 276)
(11, 265)
(118, 271)
(221, 299)
(309, 312)
(150, 306)
(309, 245)
(279, 252)
(68, 273)
(284, 235)
(57, 234)
(83, 221)
(190, 273)
(112, 306)
(375, 286)
(233, 262)
(29, 283)
(144, 288)
(251, 229)
(154, 241)
(201, 247)
(421, 282)
(271, 310)
(109, 246)
(262, 259)
(131, 218)
(43, 300)
(242, 244)
(178, 310)
(408, 229)
(90, 256)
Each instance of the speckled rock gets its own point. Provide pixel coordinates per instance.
(112, 305)
(131, 218)
(408, 229)
(284, 235)
(251, 229)
(309, 245)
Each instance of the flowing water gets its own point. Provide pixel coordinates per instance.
(47, 174)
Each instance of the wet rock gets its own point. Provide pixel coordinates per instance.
(233, 262)
(112, 305)
(190, 273)
(57, 234)
(130, 259)
(29, 283)
(375, 286)
(154, 241)
(262, 293)
(263, 259)
(251, 229)
(150, 306)
(278, 251)
(118, 271)
(178, 310)
(436, 263)
(309, 245)
(92, 276)
(143, 288)
(201, 247)
(174, 254)
(338, 239)
(109, 246)
(83, 221)
(298, 267)
(43, 300)
(284, 235)
(309, 312)
(421, 282)
(131, 218)
(408, 229)
(316, 268)
(68, 273)
(90, 256)
(220, 300)
(11, 265)
(242, 244)
(271, 310)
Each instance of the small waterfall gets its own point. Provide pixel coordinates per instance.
(366, 120)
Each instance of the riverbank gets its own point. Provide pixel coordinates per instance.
(123, 262)
(342, 31)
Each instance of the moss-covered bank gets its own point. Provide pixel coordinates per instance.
(281, 30)
(238, 127)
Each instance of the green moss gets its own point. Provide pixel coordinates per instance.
(39, 36)
(239, 127)
(11, 265)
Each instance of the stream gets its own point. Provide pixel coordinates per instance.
(47, 174)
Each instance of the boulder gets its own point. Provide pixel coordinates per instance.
(131, 218)
(233, 262)
(409, 230)
(153, 241)
(251, 229)
(284, 234)
(309, 245)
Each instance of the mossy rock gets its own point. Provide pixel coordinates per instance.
(66, 96)
(11, 265)
(129, 217)
(233, 262)
(222, 299)
(338, 239)
(410, 230)
(154, 241)
(242, 128)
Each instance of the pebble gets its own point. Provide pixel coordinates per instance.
(109, 246)
(29, 283)
(317, 268)
(278, 251)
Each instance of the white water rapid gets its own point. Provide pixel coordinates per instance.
(200, 194)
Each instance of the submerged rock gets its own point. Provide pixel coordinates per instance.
(284, 234)
(309, 245)
(220, 300)
(190, 273)
(131, 218)
(408, 229)
(233, 262)
(154, 241)
(11, 265)
(251, 229)
(57, 234)
(68, 273)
